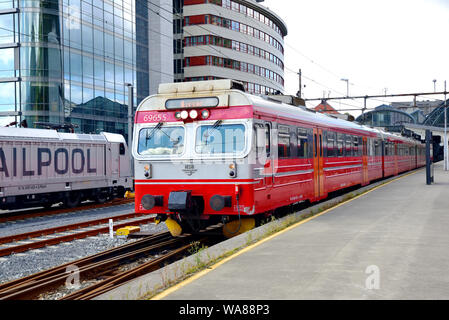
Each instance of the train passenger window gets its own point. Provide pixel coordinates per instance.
(370, 147)
(361, 146)
(356, 147)
(268, 140)
(388, 148)
(293, 144)
(331, 151)
(284, 142)
(340, 144)
(377, 148)
(348, 145)
(321, 145)
(302, 143)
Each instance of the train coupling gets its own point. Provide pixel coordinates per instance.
(180, 201)
(160, 218)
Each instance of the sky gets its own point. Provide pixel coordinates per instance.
(392, 46)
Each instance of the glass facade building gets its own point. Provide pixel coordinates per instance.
(69, 61)
(230, 39)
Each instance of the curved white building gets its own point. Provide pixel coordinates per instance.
(235, 39)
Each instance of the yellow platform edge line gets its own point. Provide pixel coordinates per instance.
(178, 286)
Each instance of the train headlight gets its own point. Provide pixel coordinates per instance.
(193, 114)
(205, 114)
(178, 115)
(233, 170)
(184, 115)
(147, 171)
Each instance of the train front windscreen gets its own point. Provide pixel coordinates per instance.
(160, 141)
(213, 139)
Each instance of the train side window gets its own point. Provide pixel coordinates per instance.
(348, 151)
(259, 139)
(302, 143)
(340, 144)
(268, 140)
(331, 144)
(377, 151)
(293, 144)
(283, 142)
(321, 145)
(361, 151)
(356, 146)
(122, 149)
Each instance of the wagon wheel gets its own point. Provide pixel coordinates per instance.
(102, 197)
(47, 205)
(72, 199)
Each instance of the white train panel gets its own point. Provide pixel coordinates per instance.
(35, 161)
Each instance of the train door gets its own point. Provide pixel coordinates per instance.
(264, 155)
(395, 158)
(269, 165)
(318, 162)
(383, 157)
(365, 178)
(416, 155)
(115, 159)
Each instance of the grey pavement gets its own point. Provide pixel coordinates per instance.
(391, 243)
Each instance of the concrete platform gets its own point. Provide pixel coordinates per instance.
(391, 243)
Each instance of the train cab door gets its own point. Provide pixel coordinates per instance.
(264, 158)
(115, 160)
(318, 163)
(269, 164)
(365, 178)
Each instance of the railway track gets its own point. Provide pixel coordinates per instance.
(34, 213)
(12, 244)
(103, 266)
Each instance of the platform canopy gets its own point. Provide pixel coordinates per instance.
(421, 129)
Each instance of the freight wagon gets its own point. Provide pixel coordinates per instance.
(42, 167)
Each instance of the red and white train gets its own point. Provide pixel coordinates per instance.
(207, 152)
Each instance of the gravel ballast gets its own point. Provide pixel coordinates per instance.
(23, 264)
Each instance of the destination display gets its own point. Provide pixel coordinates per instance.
(190, 103)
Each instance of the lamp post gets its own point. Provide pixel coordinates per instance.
(434, 85)
(347, 86)
(446, 165)
(130, 119)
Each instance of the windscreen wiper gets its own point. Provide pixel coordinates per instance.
(214, 127)
(151, 134)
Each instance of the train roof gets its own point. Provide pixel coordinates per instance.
(229, 94)
(12, 133)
